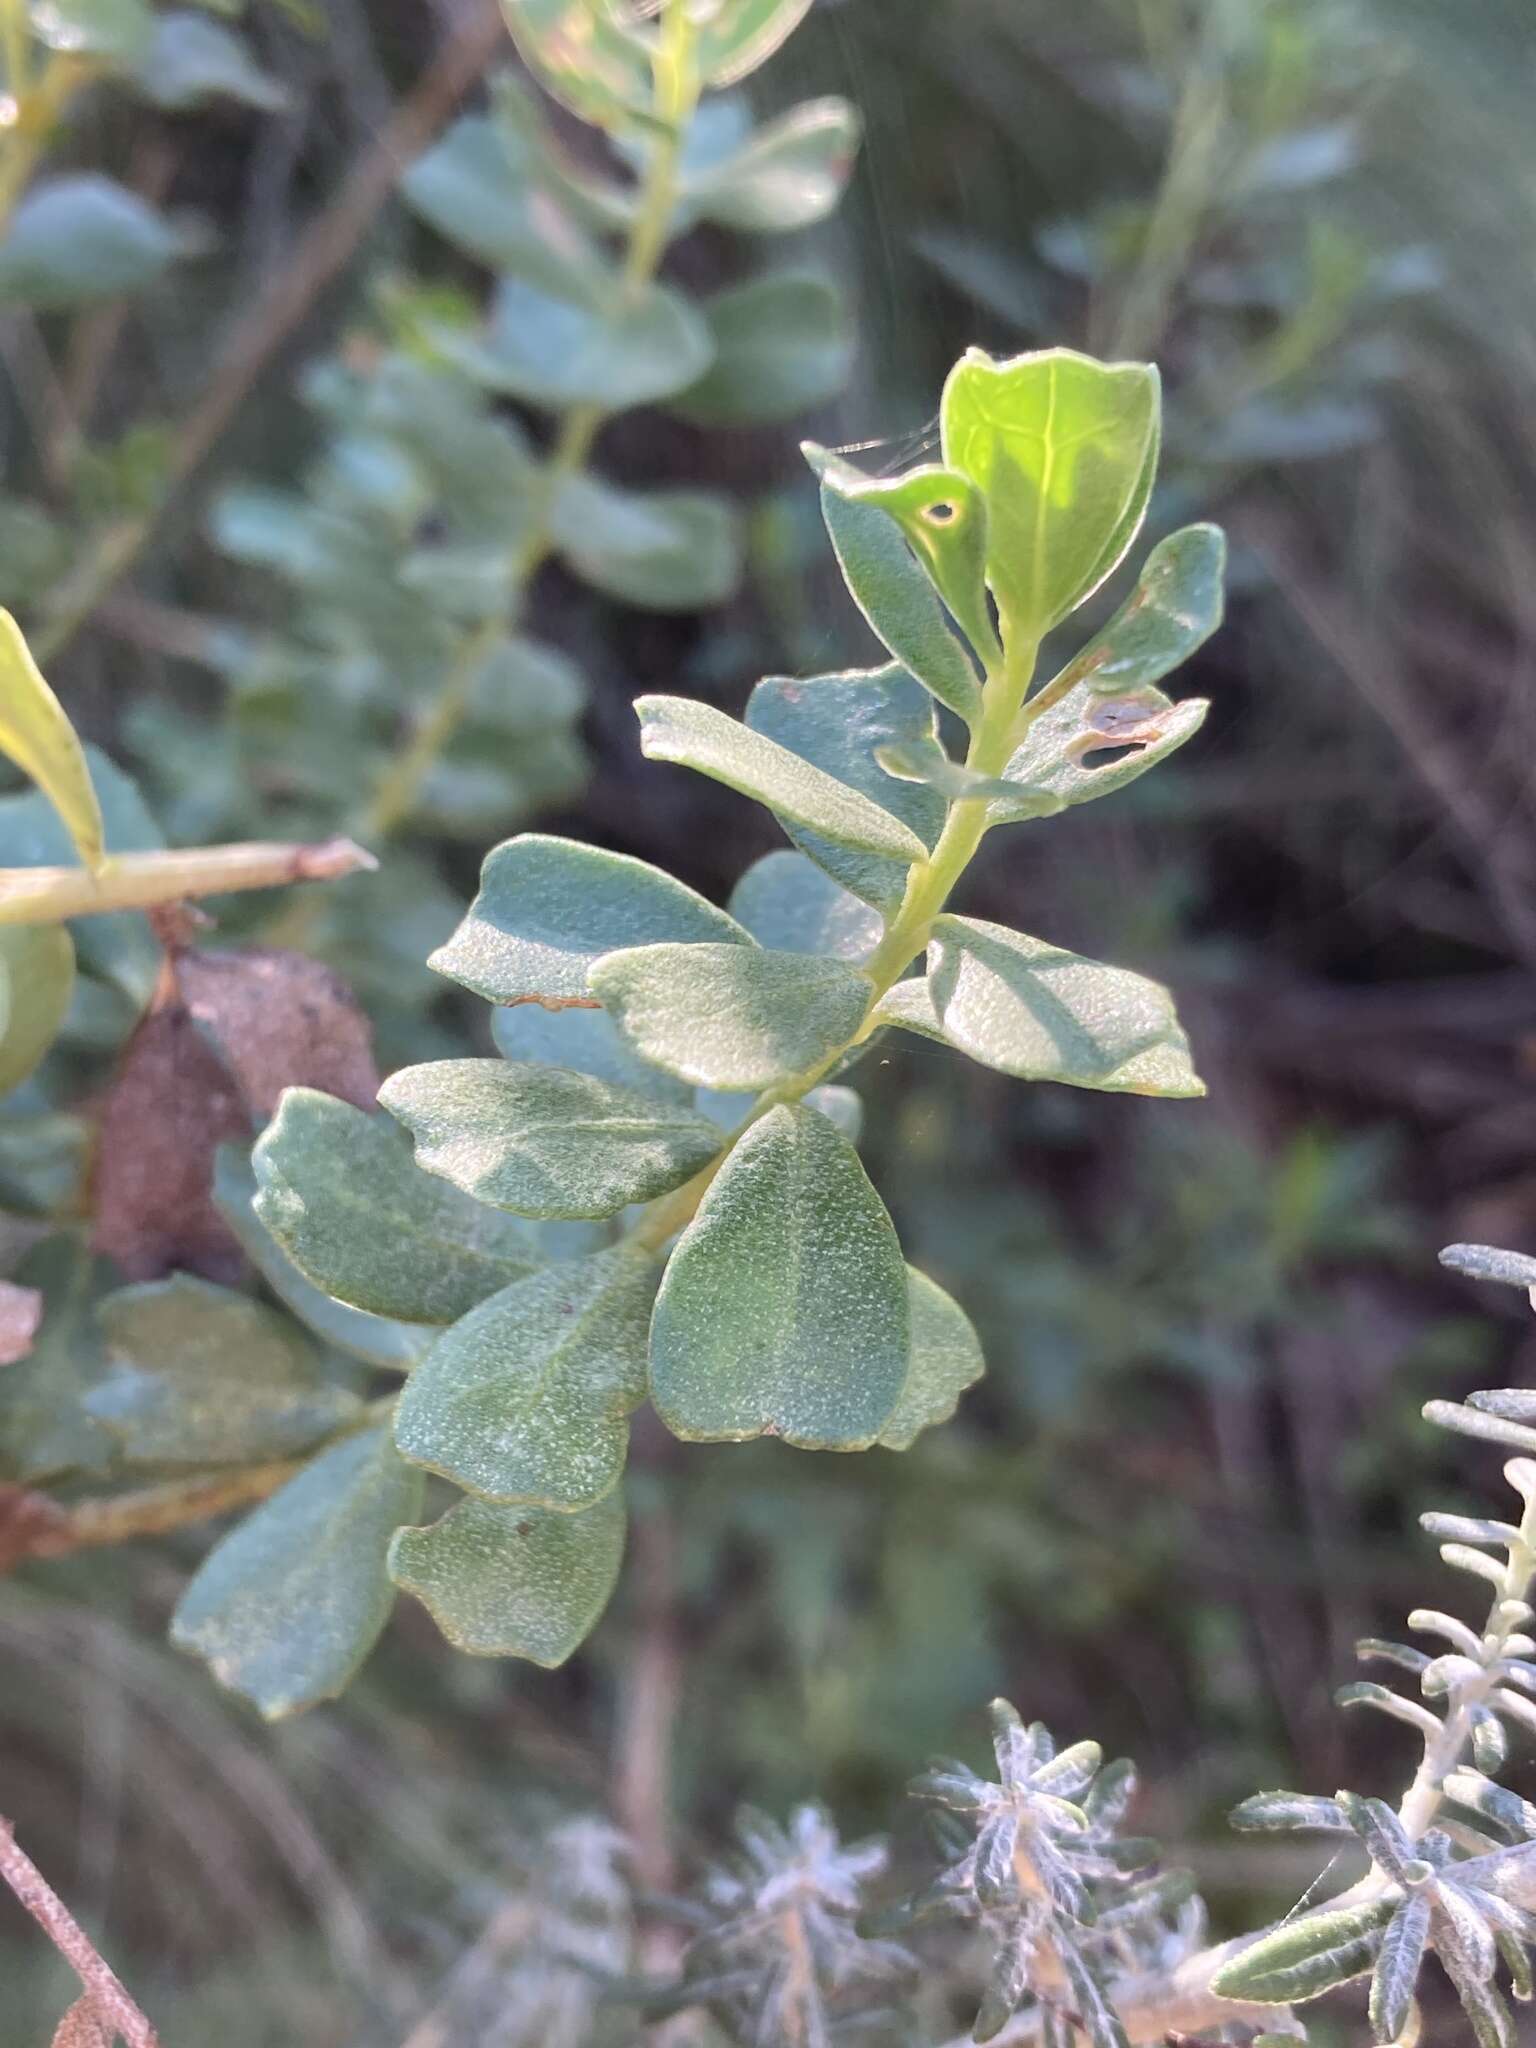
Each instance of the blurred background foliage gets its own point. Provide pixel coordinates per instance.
(1190, 1478)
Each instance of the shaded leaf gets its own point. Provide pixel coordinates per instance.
(1281, 1812)
(789, 174)
(44, 1427)
(343, 1196)
(1041, 1014)
(547, 908)
(560, 350)
(731, 1016)
(783, 1310)
(37, 979)
(199, 1376)
(790, 905)
(37, 735)
(191, 59)
(782, 345)
(286, 1608)
(787, 781)
(544, 1141)
(118, 31)
(525, 1398)
(1306, 1957)
(80, 237)
(1397, 1968)
(514, 1582)
(587, 1042)
(662, 551)
(480, 187)
(943, 1360)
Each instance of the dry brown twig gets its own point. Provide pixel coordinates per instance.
(104, 2012)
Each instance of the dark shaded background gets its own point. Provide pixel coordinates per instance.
(1192, 1475)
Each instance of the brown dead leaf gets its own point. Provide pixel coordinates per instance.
(226, 1033)
(21, 1310)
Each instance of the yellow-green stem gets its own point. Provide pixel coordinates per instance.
(676, 93)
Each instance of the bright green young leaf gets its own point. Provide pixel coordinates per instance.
(45, 1430)
(926, 761)
(897, 598)
(587, 1042)
(37, 735)
(1306, 1957)
(191, 59)
(377, 1340)
(1064, 449)
(81, 237)
(37, 979)
(783, 1311)
(1174, 609)
(731, 1016)
(792, 783)
(481, 188)
(199, 1376)
(564, 350)
(1041, 1014)
(945, 1358)
(514, 1582)
(790, 174)
(739, 35)
(789, 905)
(1092, 744)
(526, 1398)
(782, 344)
(342, 1195)
(942, 516)
(545, 1142)
(548, 907)
(591, 58)
(117, 32)
(662, 551)
(835, 723)
(286, 1608)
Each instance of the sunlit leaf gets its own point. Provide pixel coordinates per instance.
(37, 735)
(37, 979)
(789, 174)
(1307, 1956)
(744, 34)
(591, 58)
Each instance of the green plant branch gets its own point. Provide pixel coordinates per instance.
(676, 95)
(140, 881)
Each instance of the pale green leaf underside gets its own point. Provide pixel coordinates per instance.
(587, 1042)
(944, 1359)
(783, 1311)
(543, 1141)
(697, 736)
(1039, 1013)
(546, 909)
(342, 1195)
(1306, 1957)
(1068, 757)
(731, 1016)
(782, 344)
(514, 1582)
(199, 1376)
(560, 351)
(287, 1606)
(662, 551)
(790, 905)
(525, 1399)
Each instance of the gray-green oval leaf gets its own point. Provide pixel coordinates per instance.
(287, 1607)
(790, 905)
(783, 1311)
(731, 1016)
(544, 1141)
(563, 350)
(525, 1399)
(514, 1582)
(945, 1358)
(782, 345)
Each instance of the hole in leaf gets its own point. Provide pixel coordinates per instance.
(1107, 755)
(941, 513)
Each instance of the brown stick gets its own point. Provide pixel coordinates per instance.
(104, 1993)
(321, 253)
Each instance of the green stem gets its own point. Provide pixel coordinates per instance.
(930, 883)
(676, 95)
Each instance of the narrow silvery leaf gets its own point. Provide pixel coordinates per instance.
(1018, 1749)
(525, 1399)
(895, 596)
(836, 723)
(731, 1016)
(196, 1375)
(997, 1881)
(790, 905)
(1071, 1771)
(546, 909)
(1492, 2023)
(545, 1142)
(342, 1195)
(1091, 2006)
(1283, 1812)
(1375, 1649)
(945, 1358)
(1383, 1834)
(697, 736)
(1008, 1986)
(1397, 1968)
(1064, 449)
(1306, 1957)
(1489, 1262)
(784, 1307)
(1474, 1422)
(1463, 1938)
(1513, 1815)
(1365, 1692)
(1032, 1010)
(514, 1581)
(287, 1606)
